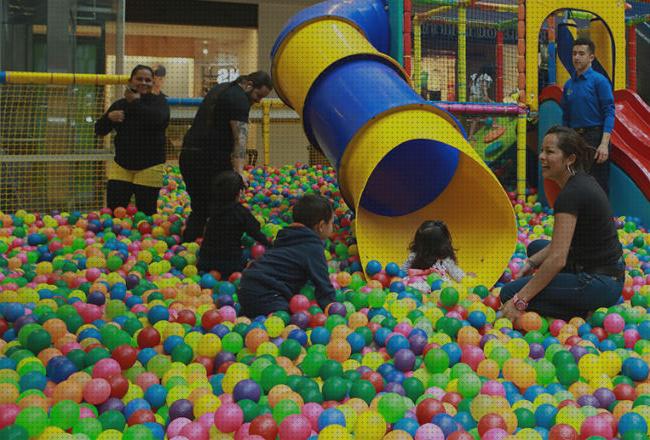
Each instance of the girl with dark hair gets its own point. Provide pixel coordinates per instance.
(221, 248)
(432, 251)
(139, 120)
(581, 268)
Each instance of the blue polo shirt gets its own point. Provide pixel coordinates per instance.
(587, 101)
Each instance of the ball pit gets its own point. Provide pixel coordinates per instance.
(108, 331)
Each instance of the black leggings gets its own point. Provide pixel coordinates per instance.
(119, 192)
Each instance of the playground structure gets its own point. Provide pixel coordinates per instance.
(512, 33)
(374, 183)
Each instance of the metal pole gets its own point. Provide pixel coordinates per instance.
(120, 19)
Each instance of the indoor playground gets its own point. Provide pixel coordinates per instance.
(412, 110)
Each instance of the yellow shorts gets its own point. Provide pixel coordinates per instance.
(152, 176)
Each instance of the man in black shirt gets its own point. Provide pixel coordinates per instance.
(217, 142)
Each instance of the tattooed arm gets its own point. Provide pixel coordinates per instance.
(240, 136)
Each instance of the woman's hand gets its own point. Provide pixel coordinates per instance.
(510, 311)
(116, 116)
(526, 269)
(130, 95)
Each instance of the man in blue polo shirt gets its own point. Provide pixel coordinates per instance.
(588, 107)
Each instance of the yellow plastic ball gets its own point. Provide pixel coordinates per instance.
(274, 326)
(370, 426)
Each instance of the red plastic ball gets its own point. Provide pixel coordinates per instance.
(382, 278)
(148, 337)
(211, 318)
(453, 399)
(317, 320)
(624, 391)
(460, 435)
(207, 362)
(141, 416)
(119, 386)
(562, 432)
(427, 409)
(492, 301)
(186, 317)
(298, 303)
(264, 426)
(491, 421)
(257, 251)
(125, 355)
(375, 379)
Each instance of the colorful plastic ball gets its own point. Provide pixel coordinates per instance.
(632, 421)
(373, 267)
(596, 426)
(294, 427)
(614, 323)
(635, 368)
(229, 417)
(33, 419)
(264, 426)
(562, 432)
(445, 422)
(97, 391)
(247, 389)
(429, 431)
(436, 361)
(64, 414)
(330, 416)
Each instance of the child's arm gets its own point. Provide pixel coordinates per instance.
(453, 270)
(407, 264)
(319, 275)
(252, 228)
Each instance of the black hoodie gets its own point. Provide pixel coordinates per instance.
(298, 255)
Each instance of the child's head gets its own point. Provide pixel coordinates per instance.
(227, 187)
(432, 242)
(315, 212)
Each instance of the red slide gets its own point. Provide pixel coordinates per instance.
(631, 138)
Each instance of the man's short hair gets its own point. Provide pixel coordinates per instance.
(583, 41)
(259, 79)
(311, 209)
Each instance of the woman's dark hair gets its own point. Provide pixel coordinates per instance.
(141, 67)
(311, 209)
(570, 142)
(259, 79)
(432, 242)
(225, 188)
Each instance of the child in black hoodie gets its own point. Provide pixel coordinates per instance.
(297, 256)
(221, 247)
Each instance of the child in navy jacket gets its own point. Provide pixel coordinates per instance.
(298, 255)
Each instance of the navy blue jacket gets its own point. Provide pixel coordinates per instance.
(298, 255)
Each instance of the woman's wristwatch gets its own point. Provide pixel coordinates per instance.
(519, 303)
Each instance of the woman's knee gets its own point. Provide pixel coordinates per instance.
(535, 246)
(507, 292)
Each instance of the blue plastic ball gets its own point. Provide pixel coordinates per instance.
(635, 368)
(373, 267)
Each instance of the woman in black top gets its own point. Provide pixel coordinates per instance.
(139, 120)
(580, 269)
(221, 248)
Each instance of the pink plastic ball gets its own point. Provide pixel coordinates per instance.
(229, 417)
(243, 431)
(312, 411)
(86, 413)
(97, 391)
(614, 323)
(176, 425)
(495, 434)
(8, 414)
(295, 427)
(631, 336)
(556, 326)
(145, 380)
(195, 431)
(429, 431)
(472, 356)
(106, 368)
(596, 426)
(207, 420)
(228, 313)
(92, 274)
(493, 388)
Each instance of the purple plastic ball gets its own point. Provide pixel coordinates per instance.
(486, 338)
(404, 359)
(24, 320)
(301, 319)
(181, 408)
(588, 400)
(578, 351)
(131, 281)
(97, 298)
(417, 343)
(605, 396)
(394, 387)
(223, 357)
(112, 403)
(336, 308)
(247, 389)
(536, 350)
